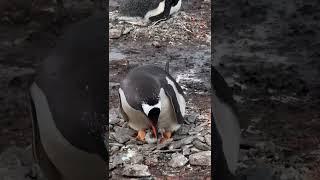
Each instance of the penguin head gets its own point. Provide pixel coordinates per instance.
(153, 113)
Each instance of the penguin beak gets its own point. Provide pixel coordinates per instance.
(154, 131)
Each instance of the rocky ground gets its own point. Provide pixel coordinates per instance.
(268, 51)
(183, 39)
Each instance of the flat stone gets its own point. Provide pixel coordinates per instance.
(165, 144)
(178, 144)
(208, 139)
(178, 160)
(186, 150)
(200, 158)
(123, 135)
(201, 138)
(192, 118)
(194, 150)
(151, 161)
(114, 116)
(136, 170)
(183, 130)
(114, 149)
(200, 145)
(115, 33)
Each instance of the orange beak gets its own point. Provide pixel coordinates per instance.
(154, 131)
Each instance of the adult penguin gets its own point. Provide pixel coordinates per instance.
(151, 99)
(226, 129)
(146, 11)
(69, 102)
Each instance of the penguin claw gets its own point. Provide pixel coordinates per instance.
(141, 135)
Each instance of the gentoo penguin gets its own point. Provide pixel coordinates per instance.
(146, 11)
(226, 129)
(151, 99)
(69, 104)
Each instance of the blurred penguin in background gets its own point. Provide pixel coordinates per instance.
(226, 129)
(69, 104)
(144, 11)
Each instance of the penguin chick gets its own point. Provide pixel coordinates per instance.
(151, 99)
(141, 12)
(150, 139)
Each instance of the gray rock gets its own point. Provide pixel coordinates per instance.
(290, 174)
(114, 149)
(128, 157)
(201, 158)
(165, 144)
(194, 150)
(178, 144)
(208, 139)
(192, 118)
(114, 116)
(123, 135)
(156, 44)
(177, 137)
(151, 161)
(201, 138)
(177, 160)
(136, 170)
(115, 33)
(201, 145)
(186, 150)
(183, 130)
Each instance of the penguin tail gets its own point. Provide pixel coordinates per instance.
(166, 68)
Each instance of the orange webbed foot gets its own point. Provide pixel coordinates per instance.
(166, 135)
(141, 135)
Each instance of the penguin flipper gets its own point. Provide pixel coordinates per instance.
(39, 154)
(124, 115)
(174, 103)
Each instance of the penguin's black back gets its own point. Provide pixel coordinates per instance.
(73, 79)
(137, 8)
(143, 84)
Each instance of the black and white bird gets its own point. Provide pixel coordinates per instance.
(145, 11)
(68, 104)
(151, 99)
(226, 129)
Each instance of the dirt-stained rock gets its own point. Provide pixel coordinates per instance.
(177, 160)
(201, 158)
(136, 170)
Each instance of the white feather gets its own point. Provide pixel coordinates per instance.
(175, 8)
(147, 108)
